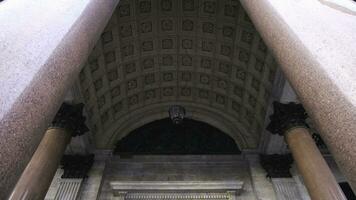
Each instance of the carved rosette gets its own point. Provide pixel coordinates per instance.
(70, 117)
(76, 166)
(277, 166)
(286, 116)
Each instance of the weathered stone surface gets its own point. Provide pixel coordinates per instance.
(43, 46)
(91, 185)
(162, 169)
(312, 42)
(286, 189)
(263, 187)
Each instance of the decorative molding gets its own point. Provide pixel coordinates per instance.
(163, 168)
(176, 185)
(76, 166)
(177, 189)
(277, 166)
(286, 116)
(68, 189)
(183, 196)
(286, 189)
(70, 117)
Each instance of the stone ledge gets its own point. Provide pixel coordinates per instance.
(184, 187)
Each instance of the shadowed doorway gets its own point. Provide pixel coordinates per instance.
(163, 137)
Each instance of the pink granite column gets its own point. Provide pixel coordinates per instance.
(289, 120)
(43, 45)
(37, 176)
(313, 41)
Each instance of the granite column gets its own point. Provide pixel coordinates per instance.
(315, 53)
(289, 120)
(37, 176)
(44, 45)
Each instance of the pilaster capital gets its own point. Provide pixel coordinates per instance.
(276, 165)
(70, 117)
(286, 116)
(76, 166)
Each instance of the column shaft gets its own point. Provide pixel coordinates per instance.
(316, 54)
(37, 176)
(318, 178)
(38, 65)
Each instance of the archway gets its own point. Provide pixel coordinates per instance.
(155, 53)
(190, 137)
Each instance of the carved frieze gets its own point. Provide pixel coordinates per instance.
(185, 190)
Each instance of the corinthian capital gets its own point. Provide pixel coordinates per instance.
(286, 116)
(70, 117)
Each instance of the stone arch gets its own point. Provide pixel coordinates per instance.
(152, 113)
(203, 53)
(162, 137)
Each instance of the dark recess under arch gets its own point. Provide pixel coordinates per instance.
(163, 137)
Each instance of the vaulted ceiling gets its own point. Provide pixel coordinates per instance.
(205, 55)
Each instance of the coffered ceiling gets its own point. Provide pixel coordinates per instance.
(203, 54)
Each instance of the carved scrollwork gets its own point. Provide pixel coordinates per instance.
(276, 166)
(286, 116)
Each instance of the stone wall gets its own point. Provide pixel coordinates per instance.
(245, 168)
(178, 168)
